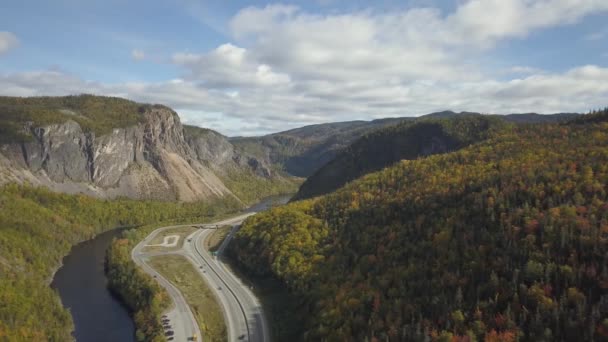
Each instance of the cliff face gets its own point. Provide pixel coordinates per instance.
(149, 160)
(222, 156)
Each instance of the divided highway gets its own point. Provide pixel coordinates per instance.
(243, 312)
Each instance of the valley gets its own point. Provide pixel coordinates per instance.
(304, 171)
(450, 225)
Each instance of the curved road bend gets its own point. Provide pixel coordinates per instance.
(180, 316)
(243, 313)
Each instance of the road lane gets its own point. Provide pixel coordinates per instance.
(243, 313)
(181, 318)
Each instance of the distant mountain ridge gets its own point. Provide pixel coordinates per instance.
(110, 147)
(503, 240)
(432, 134)
(302, 151)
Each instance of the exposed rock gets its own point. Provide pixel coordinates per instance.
(150, 160)
(216, 151)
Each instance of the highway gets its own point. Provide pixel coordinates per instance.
(243, 312)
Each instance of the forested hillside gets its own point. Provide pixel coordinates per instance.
(38, 228)
(504, 240)
(408, 140)
(302, 151)
(98, 114)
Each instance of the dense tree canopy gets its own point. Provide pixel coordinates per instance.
(98, 114)
(504, 240)
(38, 228)
(407, 140)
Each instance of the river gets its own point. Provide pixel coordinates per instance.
(82, 285)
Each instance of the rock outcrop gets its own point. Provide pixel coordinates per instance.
(150, 160)
(221, 155)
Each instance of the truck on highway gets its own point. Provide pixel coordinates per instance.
(193, 338)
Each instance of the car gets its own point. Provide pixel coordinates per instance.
(169, 333)
(200, 266)
(242, 337)
(219, 287)
(204, 271)
(170, 338)
(155, 276)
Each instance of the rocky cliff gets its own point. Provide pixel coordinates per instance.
(151, 159)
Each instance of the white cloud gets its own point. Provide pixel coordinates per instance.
(7, 41)
(138, 55)
(286, 67)
(487, 21)
(229, 66)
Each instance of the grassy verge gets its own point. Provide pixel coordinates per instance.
(142, 294)
(280, 307)
(213, 242)
(199, 297)
(182, 232)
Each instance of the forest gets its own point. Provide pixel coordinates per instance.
(37, 229)
(406, 140)
(97, 114)
(504, 240)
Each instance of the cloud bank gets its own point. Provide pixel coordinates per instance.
(286, 67)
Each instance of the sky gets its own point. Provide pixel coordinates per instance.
(252, 67)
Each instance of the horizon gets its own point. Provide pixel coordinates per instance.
(249, 68)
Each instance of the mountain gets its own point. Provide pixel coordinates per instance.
(302, 151)
(503, 240)
(534, 118)
(110, 147)
(407, 140)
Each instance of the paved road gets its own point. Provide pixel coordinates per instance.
(181, 318)
(242, 310)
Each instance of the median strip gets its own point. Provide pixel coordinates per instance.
(179, 271)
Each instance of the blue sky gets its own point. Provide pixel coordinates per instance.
(251, 67)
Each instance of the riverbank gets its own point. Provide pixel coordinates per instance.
(82, 284)
(39, 228)
(130, 282)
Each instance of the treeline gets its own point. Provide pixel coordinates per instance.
(140, 292)
(250, 188)
(98, 114)
(505, 240)
(38, 228)
(407, 140)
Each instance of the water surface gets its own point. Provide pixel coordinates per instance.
(82, 284)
